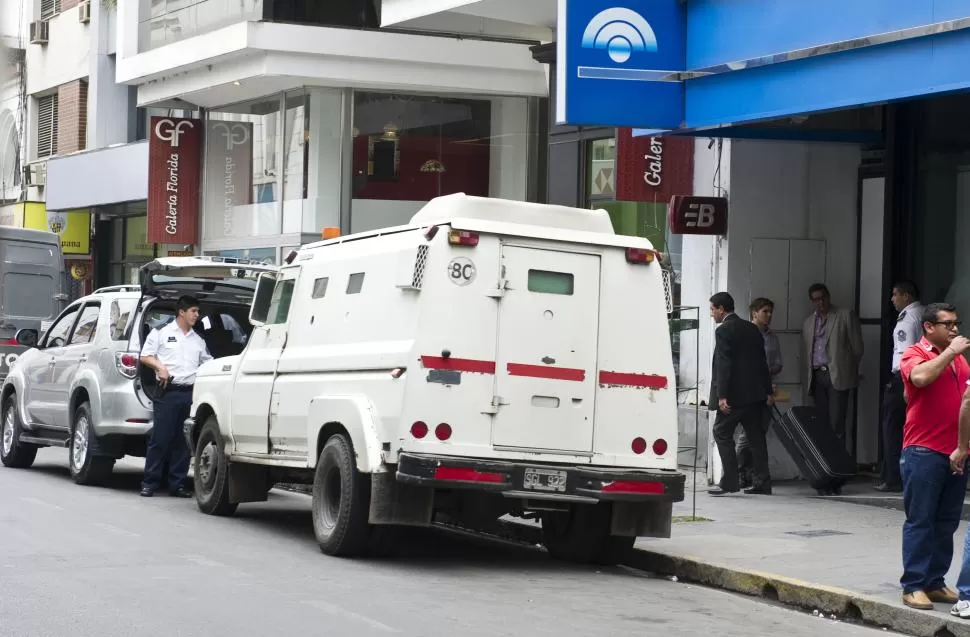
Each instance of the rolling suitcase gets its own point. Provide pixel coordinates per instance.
(819, 454)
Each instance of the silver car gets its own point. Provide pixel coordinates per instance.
(81, 387)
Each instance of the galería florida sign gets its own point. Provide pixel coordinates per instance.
(174, 173)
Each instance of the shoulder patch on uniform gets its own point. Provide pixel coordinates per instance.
(901, 335)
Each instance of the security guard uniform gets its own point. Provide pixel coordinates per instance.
(181, 353)
(908, 330)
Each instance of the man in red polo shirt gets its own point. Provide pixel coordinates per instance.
(935, 376)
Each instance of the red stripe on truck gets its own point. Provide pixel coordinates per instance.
(541, 371)
(650, 381)
(458, 364)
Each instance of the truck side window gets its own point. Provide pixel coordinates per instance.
(355, 283)
(320, 287)
(279, 305)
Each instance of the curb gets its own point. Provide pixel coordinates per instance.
(845, 605)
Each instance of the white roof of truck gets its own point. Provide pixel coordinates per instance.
(507, 217)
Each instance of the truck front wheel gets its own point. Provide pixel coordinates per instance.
(340, 501)
(212, 472)
(583, 535)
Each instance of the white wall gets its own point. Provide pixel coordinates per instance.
(65, 58)
(108, 103)
(509, 156)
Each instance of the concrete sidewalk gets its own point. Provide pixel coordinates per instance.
(804, 550)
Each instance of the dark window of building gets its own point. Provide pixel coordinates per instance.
(341, 13)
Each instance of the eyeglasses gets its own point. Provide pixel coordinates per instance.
(950, 325)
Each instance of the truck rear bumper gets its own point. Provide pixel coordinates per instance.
(542, 481)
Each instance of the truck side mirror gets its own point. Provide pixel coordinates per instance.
(259, 310)
(26, 337)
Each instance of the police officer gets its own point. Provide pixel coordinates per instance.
(908, 330)
(175, 352)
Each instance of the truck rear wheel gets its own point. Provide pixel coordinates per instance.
(583, 535)
(13, 453)
(340, 501)
(212, 472)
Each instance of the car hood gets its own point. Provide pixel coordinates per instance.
(206, 278)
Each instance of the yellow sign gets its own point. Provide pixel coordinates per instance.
(73, 226)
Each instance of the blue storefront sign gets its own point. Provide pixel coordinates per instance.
(716, 64)
(619, 62)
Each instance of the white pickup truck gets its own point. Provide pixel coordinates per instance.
(491, 358)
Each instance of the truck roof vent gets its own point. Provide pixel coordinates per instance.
(420, 262)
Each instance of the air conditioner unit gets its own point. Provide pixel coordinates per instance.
(39, 32)
(84, 11)
(36, 174)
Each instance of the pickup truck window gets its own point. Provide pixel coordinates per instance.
(86, 325)
(279, 305)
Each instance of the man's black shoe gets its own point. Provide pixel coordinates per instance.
(146, 493)
(181, 493)
(758, 491)
(888, 488)
(720, 491)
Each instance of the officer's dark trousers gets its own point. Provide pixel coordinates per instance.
(893, 419)
(167, 441)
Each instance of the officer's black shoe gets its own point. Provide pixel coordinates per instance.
(181, 493)
(758, 491)
(146, 492)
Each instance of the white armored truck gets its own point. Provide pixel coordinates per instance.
(492, 358)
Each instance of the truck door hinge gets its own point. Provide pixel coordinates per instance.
(499, 290)
(497, 401)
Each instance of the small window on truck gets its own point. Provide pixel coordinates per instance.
(279, 305)
(355, 283)
(320, 287)
(547, 282)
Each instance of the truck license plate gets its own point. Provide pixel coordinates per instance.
(544, 480)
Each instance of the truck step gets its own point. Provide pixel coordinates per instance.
(45, 442)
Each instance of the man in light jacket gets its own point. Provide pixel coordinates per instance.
(832, 338)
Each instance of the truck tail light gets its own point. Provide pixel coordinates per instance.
(419, 430)
(460, 474)
(660, 446)
(9, 341)
(631, 486)
(640, 255)
(443, 431)
(463, 238)
(127, 364)
(638, 446)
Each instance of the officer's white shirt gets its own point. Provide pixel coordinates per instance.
(908, 330)
(180, 353)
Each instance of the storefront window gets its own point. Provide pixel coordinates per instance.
(242, 170)
(409, 149)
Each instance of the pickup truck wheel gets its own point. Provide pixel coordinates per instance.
(583, 535)
(212, 472)
(86, 467)
(13, 453)
(340, 501)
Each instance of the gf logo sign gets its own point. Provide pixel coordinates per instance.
(169, 131)
(235, 134)
(699, 215)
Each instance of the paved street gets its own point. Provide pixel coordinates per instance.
(103, 562)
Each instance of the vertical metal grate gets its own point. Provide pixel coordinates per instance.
(47, 126)
(49, 9)
(420, 263)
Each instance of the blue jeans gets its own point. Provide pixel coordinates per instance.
(167, 441)
(933, 498)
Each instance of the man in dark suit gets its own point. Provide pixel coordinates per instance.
(740, 392)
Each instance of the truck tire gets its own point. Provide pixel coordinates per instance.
(211, 477)
(87, 468)
(583, 536)
(13, 453)
(341, 504)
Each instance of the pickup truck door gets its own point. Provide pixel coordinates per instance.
(252, 393)
(72, 356)
(40, 394)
